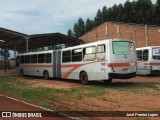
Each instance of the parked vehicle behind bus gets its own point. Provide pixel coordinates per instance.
(148, 60)
(101, 60)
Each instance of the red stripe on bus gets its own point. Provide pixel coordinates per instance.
(75, 66)
(34, 66)
(154, 63)
(71, 65)
(121, 64)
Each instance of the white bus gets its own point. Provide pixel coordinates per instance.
(101, 60)
(148, 60)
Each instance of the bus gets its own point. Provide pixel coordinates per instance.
(101, 60)
(148, 60)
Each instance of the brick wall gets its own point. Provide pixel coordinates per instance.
(142, 35)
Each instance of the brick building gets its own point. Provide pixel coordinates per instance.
(143, 35)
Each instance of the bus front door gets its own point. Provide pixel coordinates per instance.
(57, 63)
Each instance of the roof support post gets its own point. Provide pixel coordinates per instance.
(15, 55)
(27, 38)
(5, 58)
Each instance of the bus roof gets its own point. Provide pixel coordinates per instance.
(97, 42)
(78, 46)
(29, 53)
(148, 47)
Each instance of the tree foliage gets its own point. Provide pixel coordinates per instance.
(79, 28)
(4, 53)
(139, 11)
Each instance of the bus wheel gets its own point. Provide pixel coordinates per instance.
(108, 81)
(46, 75)
(22, 73)
(84, 78)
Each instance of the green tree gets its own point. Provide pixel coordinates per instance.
(115, 13)
(110, 14)
(70, 33)
(137, 11)
(98, 19)
(120, 14)
(142, 8)
(55, 47)
(128, 11)
(2, 53)
(79, 28)
(157, 12)
(104, 14)
(89, 25)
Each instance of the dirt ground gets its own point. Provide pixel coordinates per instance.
(11, 105)
(147, 100)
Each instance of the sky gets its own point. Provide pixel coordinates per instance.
(48, 16)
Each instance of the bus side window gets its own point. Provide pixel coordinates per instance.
(89, 53)
(41, 58)
(101, 52)
(77, 55)
(145, 54)
(27, 58)
(33, 58)
(66, 56)
(21, 59)
(48, 58)
(139, 55)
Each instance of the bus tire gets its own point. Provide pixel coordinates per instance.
(84, 78)
(46, 75)
(22, 73)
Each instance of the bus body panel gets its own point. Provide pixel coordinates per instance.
(147, 64)
(105, 66)
(73, 70)
(121, 64)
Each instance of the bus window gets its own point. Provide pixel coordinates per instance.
(77, 55)
(48, 58)
(66, 56)
(33, 58)
(21, 59)
(101, 52)
(41, 58)
(89, 53)
(145, 55)
(27, 59)
(156, 53)
(139, 55)
(123, 48)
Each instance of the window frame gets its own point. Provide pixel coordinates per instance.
(26, 60)
(48, 59)
(41, 58)
(141, 57)
(66, 56)
(147, 56)
(77, 55)
(36, 58)
(84, 53)
(101, 52)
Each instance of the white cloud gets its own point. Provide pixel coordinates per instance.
(46, 16)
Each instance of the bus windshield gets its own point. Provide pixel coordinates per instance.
(123, 48)
(156, 53)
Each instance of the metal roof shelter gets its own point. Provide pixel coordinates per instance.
(22, 42)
